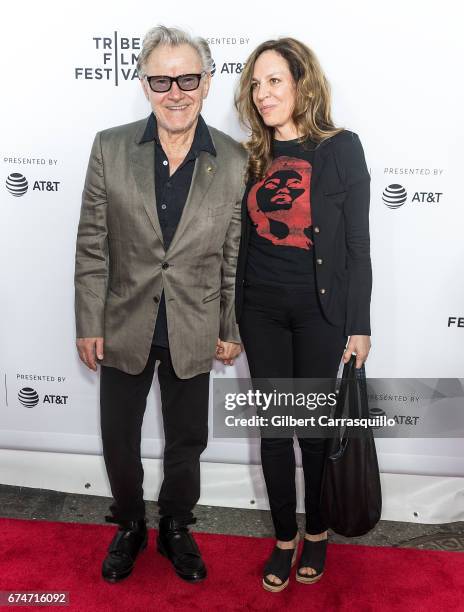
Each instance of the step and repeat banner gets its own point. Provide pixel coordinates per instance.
(69, 70)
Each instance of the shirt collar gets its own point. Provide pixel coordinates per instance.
(202, 140)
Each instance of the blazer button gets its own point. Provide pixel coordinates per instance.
(156, 299)
(316, 229)
(322, 291)
(319, 261)
(165, 266)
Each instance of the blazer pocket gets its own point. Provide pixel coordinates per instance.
(212, 296)
(220, 209)
(336, 197)
(114, 279)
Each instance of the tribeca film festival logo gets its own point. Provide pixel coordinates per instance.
(395, 194)
(118, 58)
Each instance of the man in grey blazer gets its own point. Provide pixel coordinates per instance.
(156, 256)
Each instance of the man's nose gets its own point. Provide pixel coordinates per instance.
(175, 92)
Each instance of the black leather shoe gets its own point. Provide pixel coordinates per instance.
(177, 544)
(130, 539)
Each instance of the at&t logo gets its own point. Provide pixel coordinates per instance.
(228, 68)
(29, 398)
(17, 184)
(394, 196)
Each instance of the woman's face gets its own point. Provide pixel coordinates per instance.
(273, 89)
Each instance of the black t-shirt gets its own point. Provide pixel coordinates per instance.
(280, 249)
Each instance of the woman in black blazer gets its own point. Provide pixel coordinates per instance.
(304, 272)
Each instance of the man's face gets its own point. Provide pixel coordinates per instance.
(175, 110)
(279, 191)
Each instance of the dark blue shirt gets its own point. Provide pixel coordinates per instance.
(171, 194)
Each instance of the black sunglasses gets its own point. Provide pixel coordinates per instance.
(186, 82)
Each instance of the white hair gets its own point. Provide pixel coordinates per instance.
(161, 35)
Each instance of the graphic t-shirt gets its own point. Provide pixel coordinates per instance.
(280, 249)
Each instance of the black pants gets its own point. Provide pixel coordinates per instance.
(184, 404)
(285, 335)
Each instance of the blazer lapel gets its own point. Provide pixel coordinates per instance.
(143, 168)
(320, 157)
(203, 175)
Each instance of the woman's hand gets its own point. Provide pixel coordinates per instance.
(361, 345)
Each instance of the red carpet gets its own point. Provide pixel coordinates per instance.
(40, 555)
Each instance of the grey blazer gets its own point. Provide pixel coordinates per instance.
(122, 266)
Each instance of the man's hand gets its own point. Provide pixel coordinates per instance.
(89, 350)
(361, 346)
(227, 351)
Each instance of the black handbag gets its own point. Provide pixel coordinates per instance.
(351, 496)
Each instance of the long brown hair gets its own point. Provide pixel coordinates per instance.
(311, 114)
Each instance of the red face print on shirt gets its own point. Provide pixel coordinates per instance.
(279, 205)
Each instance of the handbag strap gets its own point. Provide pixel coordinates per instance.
(348, 376)
(362, 390)
(358, 406)
(353, 386)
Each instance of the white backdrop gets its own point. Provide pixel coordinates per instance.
(394, 69)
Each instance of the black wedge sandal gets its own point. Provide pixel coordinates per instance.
(313, 555)
(279, 564)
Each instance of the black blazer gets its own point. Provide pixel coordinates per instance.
(340, 193)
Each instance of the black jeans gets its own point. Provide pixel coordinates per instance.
(285, 335)
(184, 405)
